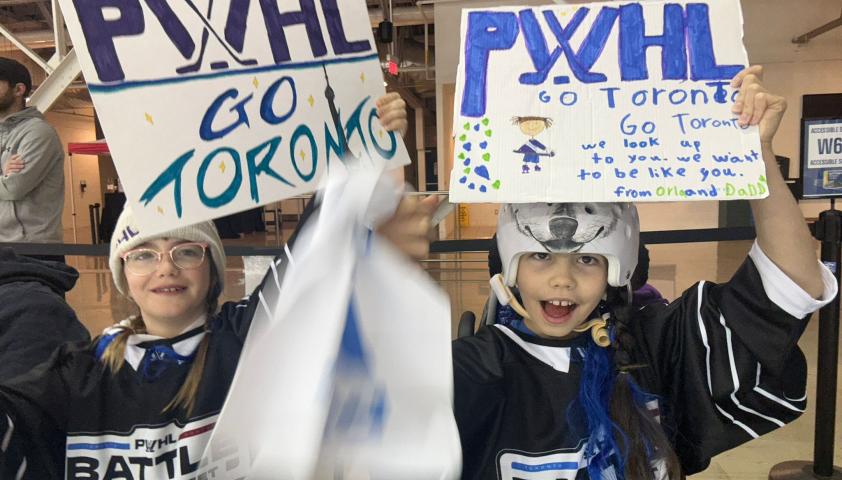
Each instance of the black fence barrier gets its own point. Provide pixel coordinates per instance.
(649, 238)
(440, 246)
(101, 250)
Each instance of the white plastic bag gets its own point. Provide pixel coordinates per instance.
(348, 374)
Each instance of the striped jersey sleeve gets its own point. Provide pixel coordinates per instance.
(727, 361)
(256, 310)
(13, 461)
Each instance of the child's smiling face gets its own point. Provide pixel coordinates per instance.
(559, 291)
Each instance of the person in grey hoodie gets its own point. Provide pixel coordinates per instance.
(31, 199)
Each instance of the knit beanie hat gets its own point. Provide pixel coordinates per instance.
(129, 235)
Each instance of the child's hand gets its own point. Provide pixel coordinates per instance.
(13, 165)
(755, 105)
(392, 112)
(409, 228)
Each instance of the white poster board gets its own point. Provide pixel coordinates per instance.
(620, 101)
(213, 107)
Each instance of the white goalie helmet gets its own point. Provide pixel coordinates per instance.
(608, 229)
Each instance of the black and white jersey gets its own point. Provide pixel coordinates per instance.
(72, 418)
(722, 359)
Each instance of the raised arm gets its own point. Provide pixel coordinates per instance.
(781, 230)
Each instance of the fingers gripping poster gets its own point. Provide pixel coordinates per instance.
(607, 102)
(213, 107)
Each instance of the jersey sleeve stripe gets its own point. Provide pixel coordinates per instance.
(21, 470)
(264, 304)
(736, 379)
(704, 336)
(275, 275)
(780, 401)
(7, 437)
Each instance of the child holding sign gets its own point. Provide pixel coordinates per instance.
(648, 393)
(142, 400)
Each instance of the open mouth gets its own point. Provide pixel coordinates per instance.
(558, 311)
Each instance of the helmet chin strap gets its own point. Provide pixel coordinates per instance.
(506, 297)
(599, 329)
(597, 325)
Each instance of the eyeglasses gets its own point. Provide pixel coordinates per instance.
(144, 261)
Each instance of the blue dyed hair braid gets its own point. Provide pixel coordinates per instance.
(607, 447)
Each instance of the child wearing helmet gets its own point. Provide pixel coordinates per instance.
(141, 401)
(575, 382)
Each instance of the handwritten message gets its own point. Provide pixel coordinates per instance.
(603, 102)
(212, 107)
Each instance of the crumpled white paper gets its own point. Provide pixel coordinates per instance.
(346, 372)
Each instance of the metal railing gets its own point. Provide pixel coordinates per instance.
(436, 247)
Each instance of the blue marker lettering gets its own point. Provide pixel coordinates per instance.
(486, 31)
(634, 43)
(206, 130)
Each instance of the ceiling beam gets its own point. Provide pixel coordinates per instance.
(12, 3)
(48, 16)
(801, 39)
(402, 16)
(56, 83)
(8, 18)
(22, 45)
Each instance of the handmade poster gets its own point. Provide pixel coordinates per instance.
(822, 157)
(619, 101)
(213, 107)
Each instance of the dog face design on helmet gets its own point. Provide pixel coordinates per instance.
(566, 227)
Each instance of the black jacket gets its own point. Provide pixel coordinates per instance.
(72, 414)
(34, 317)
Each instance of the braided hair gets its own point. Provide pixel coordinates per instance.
(623, 432)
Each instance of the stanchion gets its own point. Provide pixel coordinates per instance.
(828, 230)
(93, 213)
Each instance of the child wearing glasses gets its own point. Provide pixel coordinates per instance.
(142, 400)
